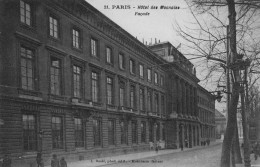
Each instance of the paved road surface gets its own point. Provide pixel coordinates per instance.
(207, 157)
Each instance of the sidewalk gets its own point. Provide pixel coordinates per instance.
(129, 157)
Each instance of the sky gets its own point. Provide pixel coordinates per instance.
(150, 24)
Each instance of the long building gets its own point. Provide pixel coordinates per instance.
(75, 84)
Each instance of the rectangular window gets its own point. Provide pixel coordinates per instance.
(95, 86)
(53, 27)
(94, 47)
(149, 75)
(143, 132)
(79, 132)
(121, 61)
(27, 69)
(109, 55)
(141, 99)
(149, 101)
(157, 129)
(122, 94)
(163, 132)
(57, 132)
(111, 132)
(151, 132)
(77, 79)
(141, 71)
(156, 100)
(155, 78)
(124, 132)
(162, 105)
(76, 38)
(162, 81)
(132, 66)
(25, 13)
(109, 90)
(55, 74)
(134, 132)
(132, 97)
(97, 131)
(29, 133)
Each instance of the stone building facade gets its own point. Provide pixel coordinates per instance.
(75, 84)
(206, 105)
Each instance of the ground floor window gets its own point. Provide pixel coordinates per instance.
(79, 137)
(143, 132)
(97, 131)
(124, 132)
(29, 132)
(111, 132)
(57, 132)
(134, 132)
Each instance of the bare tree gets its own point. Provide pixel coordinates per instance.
(209, 40)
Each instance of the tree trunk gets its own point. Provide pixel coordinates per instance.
(238, 158)
(232, 109)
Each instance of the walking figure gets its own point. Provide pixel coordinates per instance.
(63, 163)
(7, 161)
(39, 160)
(157, 146)
(55, 161)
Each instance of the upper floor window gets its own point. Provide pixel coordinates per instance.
(155, 78)
(79, 132)
(121, 61)
(163, 105)
(156, 99)
(132, 96)
(95, 86)
(109, 90)
(25, 13)
(55, 74)
(54, 27)
(141, 99)
(132, 66)
(29, 133)
(57, 132)
(76, 38)
(109, 55)
(122, 94)
(149, 75)
(77, 79)
(27, 69)
(149, 101)
(141, 70)
(94, 47)
(162, 81)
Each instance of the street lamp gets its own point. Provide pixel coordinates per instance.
(218, 96)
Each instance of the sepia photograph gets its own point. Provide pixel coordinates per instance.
(129, 83)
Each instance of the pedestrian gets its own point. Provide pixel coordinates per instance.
(63, 163)
(186, 142)
(157, 146)
(6, 161)
(181, 145)
(39, 160)
(256, 148)
(55, 161)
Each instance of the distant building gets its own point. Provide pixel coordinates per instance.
(206, 111)
(221, 122)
